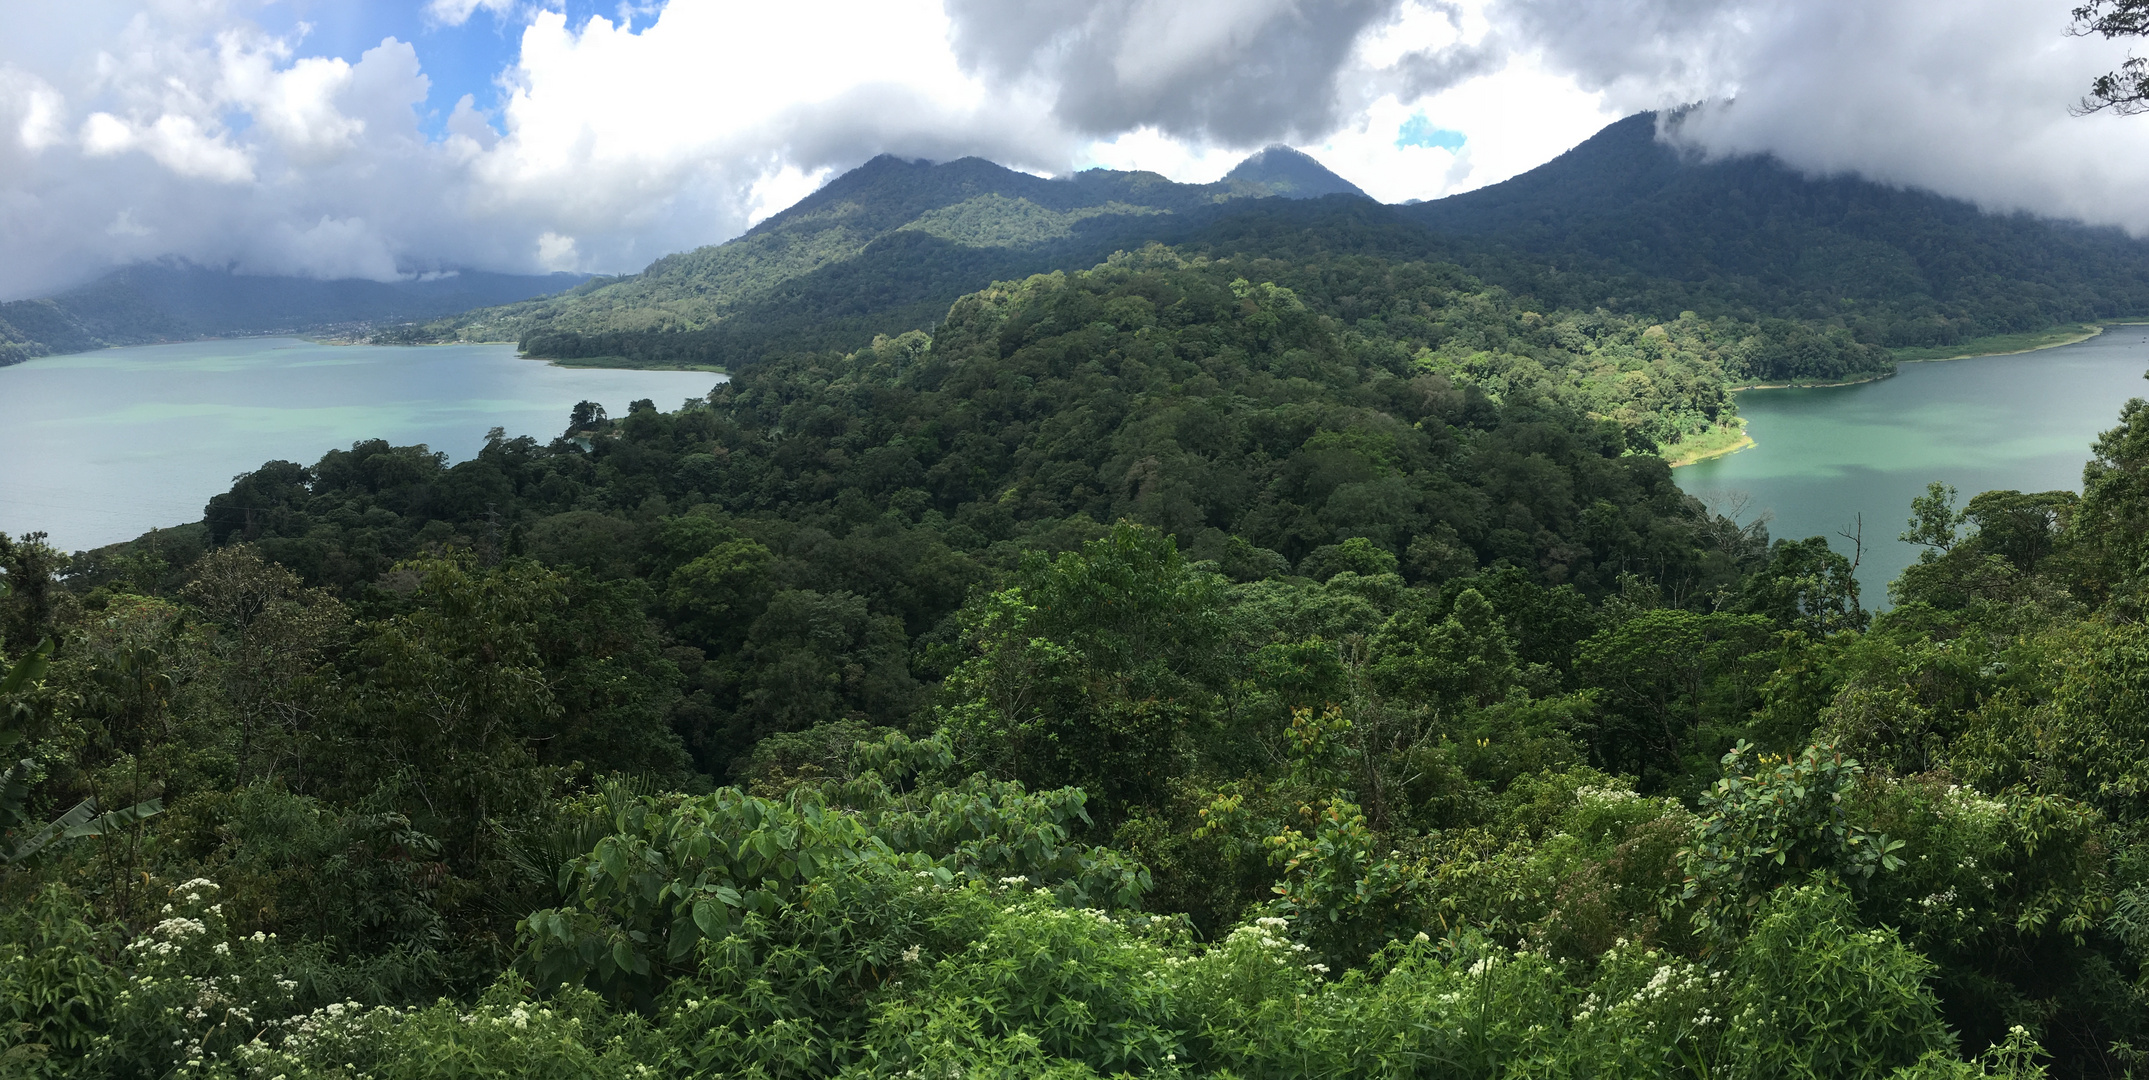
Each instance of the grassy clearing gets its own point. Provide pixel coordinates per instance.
(1713, 443)
(2003, 344)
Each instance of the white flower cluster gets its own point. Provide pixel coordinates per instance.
(169, 936)
(1676, 992)
(1265, 934)
(1979, 807)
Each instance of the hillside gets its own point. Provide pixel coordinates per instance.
(883, 248)
(171, 300)
(1627, 221)
(1146, 675)
(1622, 222)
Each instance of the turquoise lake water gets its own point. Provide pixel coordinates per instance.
(1825, 455)
(101, 447)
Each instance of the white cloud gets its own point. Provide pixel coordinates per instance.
(1147, 149)
(295, 105)
(136, 128)
(104, 134)
(1512, 120)
(779, 189)
(33, 108)
(458, 12)
(178, 143)
(556, 252)
(125, 225)
(1905, 108)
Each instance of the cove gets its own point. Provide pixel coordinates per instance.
(102, 447)
(1822, 456)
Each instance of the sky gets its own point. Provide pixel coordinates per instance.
(386, 138)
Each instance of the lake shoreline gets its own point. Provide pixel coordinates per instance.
(2090, 330)
(1998, 422)
(114, 442)
(2087, 332)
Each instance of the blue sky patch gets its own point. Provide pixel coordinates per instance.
(1418, 131)
(466, 59)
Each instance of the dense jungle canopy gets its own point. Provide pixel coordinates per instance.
(1218, 667)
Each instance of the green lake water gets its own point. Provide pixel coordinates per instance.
(100, 447)
(1823, 456)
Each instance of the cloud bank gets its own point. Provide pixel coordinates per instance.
(133, 129)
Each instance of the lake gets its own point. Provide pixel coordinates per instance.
(102, 447)
(1824, 455)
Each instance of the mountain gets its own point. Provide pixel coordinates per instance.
(1628, 221)
(1291, 174)
(882, 249)
(1625, 222)
(173, 300)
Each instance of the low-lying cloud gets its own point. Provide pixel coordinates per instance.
(1966, 97)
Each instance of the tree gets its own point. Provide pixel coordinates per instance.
(1805, 586)
(2111, 524)
(1092, 669)
(21, 835)
(2125, 91)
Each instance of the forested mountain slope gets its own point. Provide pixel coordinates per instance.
(1152, 673)
(1630, 221)
(1623, 222)
(883, 248)
(172, 300)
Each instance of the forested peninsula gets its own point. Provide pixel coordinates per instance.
(1188, 666)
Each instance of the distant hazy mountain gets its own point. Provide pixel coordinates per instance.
(167, 301)
(885, 247)
(1293, 175)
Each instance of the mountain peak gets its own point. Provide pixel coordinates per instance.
(1291, 174)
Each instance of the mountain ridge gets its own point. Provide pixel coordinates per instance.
(925, 233)
(1624, 221)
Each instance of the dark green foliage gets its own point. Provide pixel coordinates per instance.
(1674, 687)
(1183, 668)
(1806, 586)
(1783, 823)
